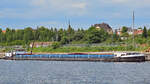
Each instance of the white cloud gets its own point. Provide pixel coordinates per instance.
(15, 13)
(48, 23)
(7, 13)
(116, 1)
(67, 6)
(130, 3)
(38, 2)
(57, 10)
(46, 8)
(79, 5)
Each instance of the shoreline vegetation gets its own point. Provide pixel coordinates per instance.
(58, 48)
(86, 49)
(110, 41)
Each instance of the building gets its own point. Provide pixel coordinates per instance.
(138, 31)
(104, 26)
(4, 31)
(118, 31)
(129, 31)
(40, 44)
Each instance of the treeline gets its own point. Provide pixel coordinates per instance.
(68, 36)
(43, 34)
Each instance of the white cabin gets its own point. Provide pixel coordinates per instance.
(9, 54)
(123, 55)
(16, 52)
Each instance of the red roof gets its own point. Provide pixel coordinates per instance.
(4, 31)
(139, 31)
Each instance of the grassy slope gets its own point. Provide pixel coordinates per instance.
(87, 49)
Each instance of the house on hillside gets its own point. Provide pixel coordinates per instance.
(40, 44)
(138, 31)
(119, 31)
(4, 31)
(129, 31)
(104, 26)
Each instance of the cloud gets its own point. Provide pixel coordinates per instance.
(116, 1)
(50, 12)
(128, 3)
(33, 9)
(15, 13)
(79, 5)
(62, 6)
(59, 4)
(47, 23)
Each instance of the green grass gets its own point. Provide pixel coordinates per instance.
(87, 49)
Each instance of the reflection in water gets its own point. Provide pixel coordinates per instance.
(52, 72)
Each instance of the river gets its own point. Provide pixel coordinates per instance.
(63, 72)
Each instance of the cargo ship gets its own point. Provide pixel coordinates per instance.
(103, 56)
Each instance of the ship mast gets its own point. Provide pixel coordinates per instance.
(133, 28)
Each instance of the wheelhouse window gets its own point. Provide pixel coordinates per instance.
(122, 54)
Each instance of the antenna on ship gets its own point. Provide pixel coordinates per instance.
(133, 27)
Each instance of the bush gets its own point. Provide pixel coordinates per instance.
(55, 45)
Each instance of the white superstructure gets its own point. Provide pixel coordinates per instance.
(16, 52)
(126, 55)
(9, 54)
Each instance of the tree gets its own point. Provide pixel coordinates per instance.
(96, 36)
(140, 40)
(148, 33)
(1, 35)
(124, 29)
(70, 30)
(0, 30)
(60, 34)
(115, 37)
(64, 40)
(78, 36)
(56, 34)
(13, 34)
(43, 34)
(56, 45)
(125, 34)
(70, 33)
(19, 35)
(28, 34)
(144, 34)
(9, 36)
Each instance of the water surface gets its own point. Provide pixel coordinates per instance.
(57, 72)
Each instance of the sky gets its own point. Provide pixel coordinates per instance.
(81, 13)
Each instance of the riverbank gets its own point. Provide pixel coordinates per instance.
(87, 49)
